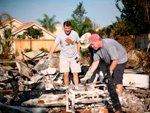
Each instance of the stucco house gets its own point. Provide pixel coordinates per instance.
(18, 28)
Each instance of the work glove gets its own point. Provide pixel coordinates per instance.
(87, 76)
(111, 72)
(108, 77)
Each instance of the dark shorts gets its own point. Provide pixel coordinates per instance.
(118, 73)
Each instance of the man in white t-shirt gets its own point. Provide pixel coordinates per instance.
(69, 54)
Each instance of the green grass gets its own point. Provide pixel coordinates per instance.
(6, 60)
(56, 54)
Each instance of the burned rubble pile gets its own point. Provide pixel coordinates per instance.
(23, 89)
(18, 88)
(136, 100)
(22, 86)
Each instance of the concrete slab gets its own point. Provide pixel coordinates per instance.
(136, 80)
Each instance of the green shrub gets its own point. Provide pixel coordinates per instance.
(9, 59)
(43, 49)
(57, 54)
(27, 50)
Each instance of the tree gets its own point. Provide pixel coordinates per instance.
(21, 36)
(32, 33)
(134, 14)
(48, 23)
(80, 23)
(87, 25)
(4, 16)
(120, 29)
(105, 32)
(6, 45)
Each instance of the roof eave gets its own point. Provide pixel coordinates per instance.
(30, 26)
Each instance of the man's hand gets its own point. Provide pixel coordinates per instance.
(87, 76)
(111, 72)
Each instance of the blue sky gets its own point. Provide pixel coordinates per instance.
(102, 12)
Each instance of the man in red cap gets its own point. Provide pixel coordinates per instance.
(113, 54)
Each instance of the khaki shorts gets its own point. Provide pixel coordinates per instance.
(66, 64)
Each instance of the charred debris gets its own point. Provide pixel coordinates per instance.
(25, 90)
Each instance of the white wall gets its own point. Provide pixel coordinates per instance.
(58, 29)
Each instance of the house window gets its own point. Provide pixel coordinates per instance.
(21, 37)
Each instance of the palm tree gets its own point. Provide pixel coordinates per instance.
(48, 23)
(80, 22)
(4, 16)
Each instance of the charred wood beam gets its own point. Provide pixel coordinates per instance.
(37, 93)
(25, 109)
(27, 95)
(33, 60)
(14, 82)
(11, 64)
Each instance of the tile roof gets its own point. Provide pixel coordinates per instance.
(7, 21)
(29, 24)
(23, 26)
(4, 22)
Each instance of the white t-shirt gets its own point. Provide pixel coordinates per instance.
(68, 43)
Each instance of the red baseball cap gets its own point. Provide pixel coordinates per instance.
(93, 37)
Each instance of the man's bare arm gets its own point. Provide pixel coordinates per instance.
(113, 65)
(53, 47)
(78, 46)
(94, 66)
